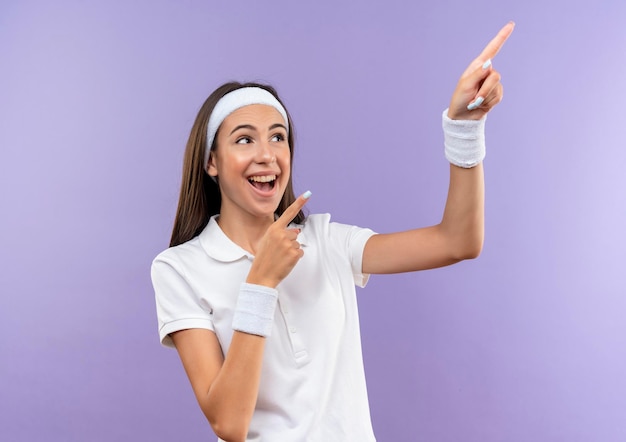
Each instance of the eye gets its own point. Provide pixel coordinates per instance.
(278, 138)
(244, 140)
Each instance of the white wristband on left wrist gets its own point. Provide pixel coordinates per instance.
(464, 141)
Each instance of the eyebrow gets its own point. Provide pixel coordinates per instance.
(249, 126)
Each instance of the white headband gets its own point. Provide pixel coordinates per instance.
(234, 100)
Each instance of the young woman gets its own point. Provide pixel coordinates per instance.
(260, 302)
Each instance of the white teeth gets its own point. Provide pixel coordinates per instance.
(262, 179)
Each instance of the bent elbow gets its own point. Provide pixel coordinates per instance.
(473, 253)
(231, 430)
(229, 422)
(470, 250)
(231, 433)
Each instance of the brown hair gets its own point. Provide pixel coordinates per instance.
(199, 195)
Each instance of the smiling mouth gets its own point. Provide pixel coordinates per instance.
(264, 183)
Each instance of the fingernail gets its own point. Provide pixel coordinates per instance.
(306, 195)
(487, 64)
(475, 104)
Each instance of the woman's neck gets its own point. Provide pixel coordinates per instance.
(244, 230)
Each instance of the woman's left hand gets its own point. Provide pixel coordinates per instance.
(479, 88)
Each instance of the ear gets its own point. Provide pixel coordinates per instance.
(211, 167)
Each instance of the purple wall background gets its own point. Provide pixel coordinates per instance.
(97, 98)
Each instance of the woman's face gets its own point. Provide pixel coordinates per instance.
(251, 161)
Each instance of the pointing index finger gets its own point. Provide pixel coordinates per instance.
(290, 213)
(494, 46)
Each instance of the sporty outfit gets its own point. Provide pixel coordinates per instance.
(312, 381)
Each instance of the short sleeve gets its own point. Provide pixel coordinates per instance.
(353, 240)
(178, 306)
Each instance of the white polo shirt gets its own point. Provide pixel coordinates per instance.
(312, 379)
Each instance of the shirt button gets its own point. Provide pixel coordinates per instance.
(292, 329)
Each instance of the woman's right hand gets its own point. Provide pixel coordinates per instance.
(278, 251)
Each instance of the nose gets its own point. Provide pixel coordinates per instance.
(265, 154)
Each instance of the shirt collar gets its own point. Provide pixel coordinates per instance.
(220, 247)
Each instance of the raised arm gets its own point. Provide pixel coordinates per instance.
(226, 388)
(460, 233)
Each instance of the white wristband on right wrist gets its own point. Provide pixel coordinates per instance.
(254, 313)
(464, 141)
